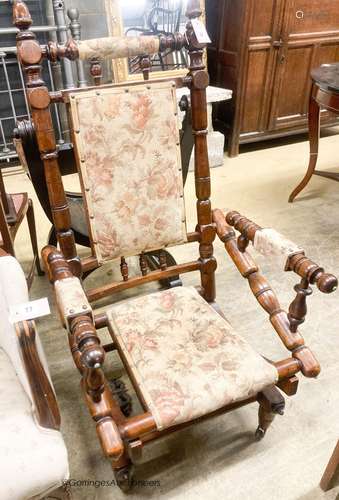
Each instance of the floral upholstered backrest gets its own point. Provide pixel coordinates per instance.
(128, 149)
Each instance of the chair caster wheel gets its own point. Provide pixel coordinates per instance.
(124, 477)
(120, 392)
(259, 434)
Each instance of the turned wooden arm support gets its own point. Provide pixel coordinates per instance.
(75, 311)
(45, 402)
(87, 352)
(295, 257)
(266, 297)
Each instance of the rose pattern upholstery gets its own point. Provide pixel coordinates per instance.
(127, 140)
(187, 360)
(271, 243)
(115, 47)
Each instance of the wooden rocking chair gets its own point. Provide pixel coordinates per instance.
(184, 359)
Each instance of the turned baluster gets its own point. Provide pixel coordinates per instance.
(143, 264)
(145, 66)
(92, 355)
(198, 81)
(124, 268)
(30, 55)
(96, 71)
(162, 261)
(298, 308)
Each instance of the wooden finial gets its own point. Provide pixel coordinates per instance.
(193, 9)
(21, 15)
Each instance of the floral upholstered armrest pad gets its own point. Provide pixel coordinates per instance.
(71, 300)
(271, 243)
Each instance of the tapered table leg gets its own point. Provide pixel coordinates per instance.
(314, 135)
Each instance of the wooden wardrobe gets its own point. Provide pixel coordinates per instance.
(264, 51)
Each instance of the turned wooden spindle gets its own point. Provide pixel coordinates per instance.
(92, 355)
(242, 224)
(96, 71)
(298, 308)
(143, 264)
(55, 264)
(30, 55)
(124, 268)
(242, 242)
(145, 66)
(198, 82)
(162, 260)
(306, 268)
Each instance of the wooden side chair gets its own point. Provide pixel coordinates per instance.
(184, 359)
(13, 209)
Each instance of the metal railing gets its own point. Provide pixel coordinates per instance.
(13, 98)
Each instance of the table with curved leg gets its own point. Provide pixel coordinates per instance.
(324, 95)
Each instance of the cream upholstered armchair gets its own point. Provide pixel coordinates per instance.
(184, 360)
(33, 454)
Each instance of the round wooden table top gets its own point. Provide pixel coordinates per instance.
(327, 76)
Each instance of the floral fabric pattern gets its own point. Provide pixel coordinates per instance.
(187, 360)
(115, 47)
(128, 143)
(271, 243)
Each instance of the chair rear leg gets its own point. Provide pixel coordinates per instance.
(33, 236)
(271, 402)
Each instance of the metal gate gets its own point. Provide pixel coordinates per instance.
(13, 99)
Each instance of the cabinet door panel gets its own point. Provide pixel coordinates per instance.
(255, 92)
(293, 83)
(312, 16)
(264, 17)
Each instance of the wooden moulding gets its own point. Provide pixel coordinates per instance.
(42, 392)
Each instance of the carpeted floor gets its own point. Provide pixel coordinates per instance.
(219, 459)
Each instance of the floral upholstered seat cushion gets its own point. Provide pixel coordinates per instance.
(186, 359)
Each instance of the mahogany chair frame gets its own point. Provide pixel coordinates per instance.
(122, 437)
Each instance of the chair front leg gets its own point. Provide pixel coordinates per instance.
(271, 403)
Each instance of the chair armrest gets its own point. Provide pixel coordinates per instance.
(75, 311)
(43, 394)
(86, 348)
(118, 47)
(269, 242)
